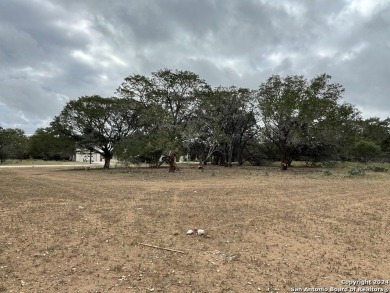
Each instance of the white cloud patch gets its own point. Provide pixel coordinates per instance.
(365, 8)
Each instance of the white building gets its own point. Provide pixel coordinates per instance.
(87, 156)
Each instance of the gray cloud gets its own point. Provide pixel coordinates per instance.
(53, 50)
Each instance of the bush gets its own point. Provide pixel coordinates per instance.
(330, 164)
(364, 150)
(377, 169)
(327, 173)
(358, 171)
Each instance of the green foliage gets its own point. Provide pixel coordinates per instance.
(13, 144)
(47, 144)
(98, 123)
(169, 99)
(260, 154)
(289, 118)
(330, 164)
(377, 131)
(374, 129)
(376, 169)
(361, 170)
(224, 123)
(385, 146)
(303, 118)
(358, 171)
(327, 173)
(141, 148)
(364, 150)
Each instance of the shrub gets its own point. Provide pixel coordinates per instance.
(330, 164)
(358, 171)
(327, 173)
(377, 169)
(364, 150)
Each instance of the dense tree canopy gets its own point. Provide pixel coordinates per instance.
(364, 150)
(98, 123)
(223, 124)
(303, 117)
(376, 131)
(13, 144)
(169, 98)
(290, 118)
(47, 144)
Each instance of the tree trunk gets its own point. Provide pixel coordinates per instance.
(172, 162)
(289, 162)
(285, 160)
(107, 163)
(107, 154)
(230, 154)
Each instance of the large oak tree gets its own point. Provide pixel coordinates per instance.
(224, 122)
(169, 99)
(98, 123)
(304, 117)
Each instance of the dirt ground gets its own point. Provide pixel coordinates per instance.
(266, 230)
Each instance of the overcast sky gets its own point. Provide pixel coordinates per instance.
(52, 51)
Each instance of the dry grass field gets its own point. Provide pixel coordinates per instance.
(80, 230)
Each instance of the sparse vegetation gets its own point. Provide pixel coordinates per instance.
(327, 173)
(79, 230)
(358, 171)
(361, 170)
(377, 169)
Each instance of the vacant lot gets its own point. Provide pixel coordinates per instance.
(266, 230)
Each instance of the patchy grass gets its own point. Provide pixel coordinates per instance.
(37, 162)
(79, 230)
(2, 288)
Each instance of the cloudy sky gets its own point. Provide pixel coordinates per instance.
(52, 51)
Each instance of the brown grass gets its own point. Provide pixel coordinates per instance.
(267, 231)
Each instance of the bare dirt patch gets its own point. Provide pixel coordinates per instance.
(266, 230)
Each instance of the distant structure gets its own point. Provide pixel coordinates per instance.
(84, 155)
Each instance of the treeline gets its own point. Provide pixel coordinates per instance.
(45, 144)
(285, 119)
